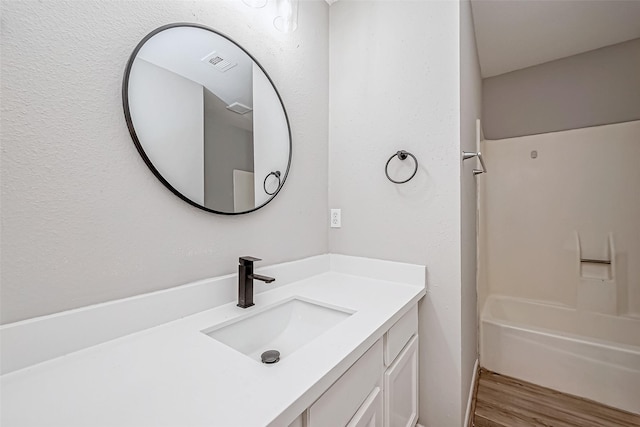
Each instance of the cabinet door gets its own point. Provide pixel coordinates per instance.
(401, 388)
(370, 413)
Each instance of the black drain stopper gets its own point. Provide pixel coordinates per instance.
(270, 356)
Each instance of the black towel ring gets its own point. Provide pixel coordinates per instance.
(264, 184)
(402, 155)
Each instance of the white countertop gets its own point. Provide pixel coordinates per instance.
(174, 375)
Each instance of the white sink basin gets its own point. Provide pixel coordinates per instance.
(284, 327)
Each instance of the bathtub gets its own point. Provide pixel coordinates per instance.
(586, 354)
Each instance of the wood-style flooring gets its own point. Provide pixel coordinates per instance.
(507, 402)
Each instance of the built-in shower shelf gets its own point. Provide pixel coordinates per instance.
(595, 261)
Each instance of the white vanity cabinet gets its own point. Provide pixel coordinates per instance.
(379, 390)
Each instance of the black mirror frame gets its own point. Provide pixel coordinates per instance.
(136, 141)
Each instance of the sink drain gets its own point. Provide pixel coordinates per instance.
(270, 356)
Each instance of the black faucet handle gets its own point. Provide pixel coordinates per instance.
(248, 260)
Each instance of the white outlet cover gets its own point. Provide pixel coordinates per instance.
(336, 218)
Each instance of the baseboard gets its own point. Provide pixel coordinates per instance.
(468, 418)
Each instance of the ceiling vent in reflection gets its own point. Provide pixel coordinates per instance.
(218, 62)
(239, 108)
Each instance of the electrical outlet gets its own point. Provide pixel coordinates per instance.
(336, 218)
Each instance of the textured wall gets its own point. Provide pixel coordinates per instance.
(394, 74)
(593, 88)
(584, 181)
(470, 104)
(83, 219)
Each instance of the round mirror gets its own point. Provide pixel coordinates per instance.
(207, 119)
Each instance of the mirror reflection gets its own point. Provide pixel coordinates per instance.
(207, 119)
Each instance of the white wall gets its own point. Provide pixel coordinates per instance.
(83, 219)
(470, 106)
(584, 181)
(270, 145)
(395, 84)
(167, 111)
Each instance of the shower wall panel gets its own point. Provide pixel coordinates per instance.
(544, 192)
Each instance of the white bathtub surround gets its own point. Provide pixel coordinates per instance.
(582, 181)
(548, 318)
(592, 355)
(176, 375)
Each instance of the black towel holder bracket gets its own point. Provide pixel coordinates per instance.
(264, 184)
(402, 155)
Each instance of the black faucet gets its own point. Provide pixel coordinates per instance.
(245, 281)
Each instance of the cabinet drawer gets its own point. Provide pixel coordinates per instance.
(342, 400)
(370, 413)
(397, 337)
(298, 422)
